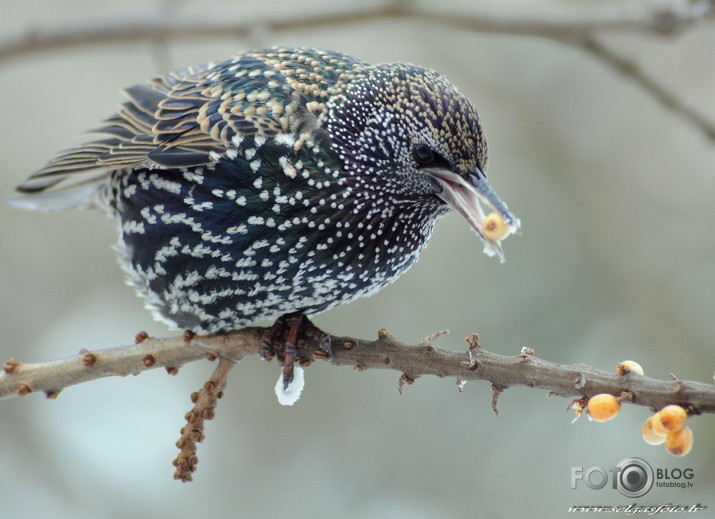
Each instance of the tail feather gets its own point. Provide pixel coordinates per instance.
(76, 196)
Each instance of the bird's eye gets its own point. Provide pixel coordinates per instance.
(423, 155)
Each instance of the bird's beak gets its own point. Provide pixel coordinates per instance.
(465, 195)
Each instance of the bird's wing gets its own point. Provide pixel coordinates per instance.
(183, 119)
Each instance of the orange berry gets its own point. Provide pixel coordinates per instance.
(679, 443)
(657, 425)
(672, 417)
(649, 435)
(603, 407)
(629, 366)
(494, 227)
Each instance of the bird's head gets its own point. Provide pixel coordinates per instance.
(413, 131)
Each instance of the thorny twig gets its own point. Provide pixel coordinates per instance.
(524, 369)
(412, 361)
(193, 432)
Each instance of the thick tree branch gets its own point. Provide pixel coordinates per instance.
(502, 371)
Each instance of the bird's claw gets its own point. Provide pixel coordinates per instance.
(286, 338)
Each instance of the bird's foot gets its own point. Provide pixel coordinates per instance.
(287, 337)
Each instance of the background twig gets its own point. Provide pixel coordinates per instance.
(629, 69)
(159, 24)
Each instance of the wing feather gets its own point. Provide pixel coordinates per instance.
(192, 117)
(178, 120)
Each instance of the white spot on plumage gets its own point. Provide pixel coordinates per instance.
(285, 139)
(237, 229)
(133, 227)
(287, 167)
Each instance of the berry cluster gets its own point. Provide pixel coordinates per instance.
(666, 426)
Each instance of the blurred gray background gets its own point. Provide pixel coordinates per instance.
(616, 261)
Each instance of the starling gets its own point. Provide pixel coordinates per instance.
(282, 181)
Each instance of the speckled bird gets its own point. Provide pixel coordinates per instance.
(280, 181)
